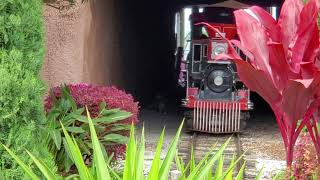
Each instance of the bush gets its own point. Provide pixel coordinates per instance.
(92, 96)
(65, 112)
(21, 90)
(306, 162)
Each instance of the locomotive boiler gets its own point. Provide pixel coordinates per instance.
(216, 101)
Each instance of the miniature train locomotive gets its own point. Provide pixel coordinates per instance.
(215, 98)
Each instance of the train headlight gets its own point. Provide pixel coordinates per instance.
(218, 80)
(218, 48)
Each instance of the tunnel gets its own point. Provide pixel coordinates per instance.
(147, 47)
(127, 44)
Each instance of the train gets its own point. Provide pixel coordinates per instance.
(215, 99)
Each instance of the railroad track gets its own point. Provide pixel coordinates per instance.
(202, 143)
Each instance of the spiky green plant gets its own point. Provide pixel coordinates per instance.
(134, 162)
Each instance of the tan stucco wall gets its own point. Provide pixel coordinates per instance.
(81, 44)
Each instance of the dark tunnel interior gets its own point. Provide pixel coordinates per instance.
(147, 46)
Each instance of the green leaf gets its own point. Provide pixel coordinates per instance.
(180, 166)
(71, 117)
(106, 112)
(102, 105)
(209, 176)
(139, 166)
(116, 138)
(83, 146)
(130, 156)
(121, 115)
(240, 175)
(155, 166)
(75, 129)
(231, 167)
(47, 173)
(65, 93)
(119, 127)
(99, 161)
(114, 174)
(76, 156)
(193, 173)
(80, 118)
(259, 174)
(219, 168)
(56, 137)
(166, 165)
(72, 177)
(26, 169)
(229, 176)
(207, 167)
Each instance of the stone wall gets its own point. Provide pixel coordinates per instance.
(81, 44)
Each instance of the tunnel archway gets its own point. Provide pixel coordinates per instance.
(147, 47)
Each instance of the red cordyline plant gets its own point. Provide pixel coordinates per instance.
(283, 66)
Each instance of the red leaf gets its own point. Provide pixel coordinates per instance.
(296, 98)
(289, 20)
(306, 43)
(278, 65)
(258, 81)
(253, 36)
(268, 22)
(315, 86)
(308, 70)
(244, 51)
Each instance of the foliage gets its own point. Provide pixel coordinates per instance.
(91, 96)
(305, 1)
(21, 90)
(283, 65)
(191, 170)
(66, 112)
(306, 163)
(134, 162)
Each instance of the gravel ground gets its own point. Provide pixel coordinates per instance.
(154, 122)
(261, 139)
(263, 143)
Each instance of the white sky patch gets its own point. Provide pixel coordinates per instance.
(252, 14)
(274, 12)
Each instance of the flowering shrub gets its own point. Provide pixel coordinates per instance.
(92, 96)
(305, 164)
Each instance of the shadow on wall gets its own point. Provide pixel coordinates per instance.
(124, 43)
(81, 43)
